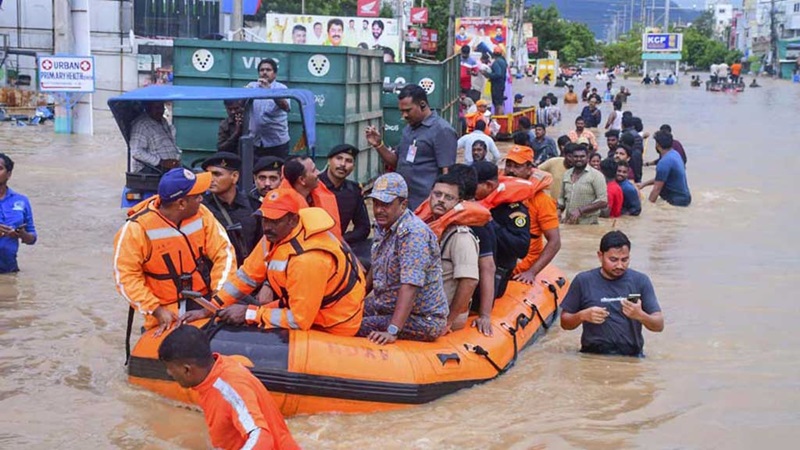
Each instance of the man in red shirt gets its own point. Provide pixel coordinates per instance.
(239, 411)
(615, 197)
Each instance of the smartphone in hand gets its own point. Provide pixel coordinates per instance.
(634, 298)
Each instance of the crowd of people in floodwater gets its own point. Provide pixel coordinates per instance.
(454, 221)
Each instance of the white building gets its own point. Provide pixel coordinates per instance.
(477, 8)
(723, 15)
(39, 26)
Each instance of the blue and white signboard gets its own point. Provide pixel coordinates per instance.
(66, 73)
(662, 42)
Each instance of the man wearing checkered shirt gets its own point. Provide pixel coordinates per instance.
(152, 141)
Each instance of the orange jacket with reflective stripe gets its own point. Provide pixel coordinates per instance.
(323, 198)
(541, 180)
(151, 253)
(317, 277)
(466, 213)
(239, 411)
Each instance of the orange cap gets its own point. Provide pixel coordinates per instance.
(497, 50)
(278, 202)
(481, 102)
(520, 154)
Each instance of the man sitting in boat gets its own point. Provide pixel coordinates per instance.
(504, 198)
(543, 215)
(152, 141)
(171, 243)
(450, 216)
(301, 174)
(318, 279)
(407, 300)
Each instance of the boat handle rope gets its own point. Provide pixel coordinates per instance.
(521, 322)
(480, 351)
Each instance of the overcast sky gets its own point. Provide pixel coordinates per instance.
(701, 3)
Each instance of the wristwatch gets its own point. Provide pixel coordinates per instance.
(392, 329)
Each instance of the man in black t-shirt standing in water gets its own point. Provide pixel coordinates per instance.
(612, 302)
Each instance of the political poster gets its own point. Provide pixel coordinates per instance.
(482, 34)
(334, 31)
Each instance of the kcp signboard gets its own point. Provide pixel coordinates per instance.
(662, 42)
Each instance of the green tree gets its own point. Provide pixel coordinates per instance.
(572, 40)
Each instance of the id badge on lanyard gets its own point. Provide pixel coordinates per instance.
(411, 155)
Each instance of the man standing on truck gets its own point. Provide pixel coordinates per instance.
(270, 120)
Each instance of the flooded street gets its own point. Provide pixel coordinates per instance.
(723, 374)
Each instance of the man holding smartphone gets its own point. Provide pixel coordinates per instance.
(16, 219)
(612, 302)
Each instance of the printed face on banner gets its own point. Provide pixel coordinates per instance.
(335, 31)
(481, 34)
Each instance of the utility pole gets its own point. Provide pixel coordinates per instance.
(451, 19)
(773, 38)
(666, 16)
(630, 25)
(237, 20)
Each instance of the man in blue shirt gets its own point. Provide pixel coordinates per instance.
(631, 204)
(670, 181)
(16, 219)
(269, 121)
(612, 302)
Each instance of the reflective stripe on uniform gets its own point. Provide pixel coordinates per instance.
(229, 259)
(192, 227)
(278, 265)
(117, 275)
(242, 275)
(162, 233)
(237, 404)
(275, 317)
(232, 290)
(290, 318)
(252, 439)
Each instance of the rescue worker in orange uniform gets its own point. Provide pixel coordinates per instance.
(301, 174)
(171, 243)
(480, 114)
(318, 279)
(239, 411)
(543, 214)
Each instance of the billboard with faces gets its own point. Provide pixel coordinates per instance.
(303, 29)
(482, 34)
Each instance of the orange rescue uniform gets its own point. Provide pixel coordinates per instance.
(322, 197)
(318, 278)
(239, 411)
(155, 259)
(544, 217)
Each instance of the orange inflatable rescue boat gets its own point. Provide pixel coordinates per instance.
(311, 372)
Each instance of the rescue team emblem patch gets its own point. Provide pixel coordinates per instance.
(188, 174)
(519, 219)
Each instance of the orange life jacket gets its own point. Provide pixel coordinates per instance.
(472, 120)
(323, 198)
(466, 213)
(517, 190)
(342, 304)
(176, 260)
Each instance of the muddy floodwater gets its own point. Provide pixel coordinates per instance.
(725, 373)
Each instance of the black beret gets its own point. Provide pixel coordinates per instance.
(267, 163)
(486, 170)
(343, 148)
(226, 160)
